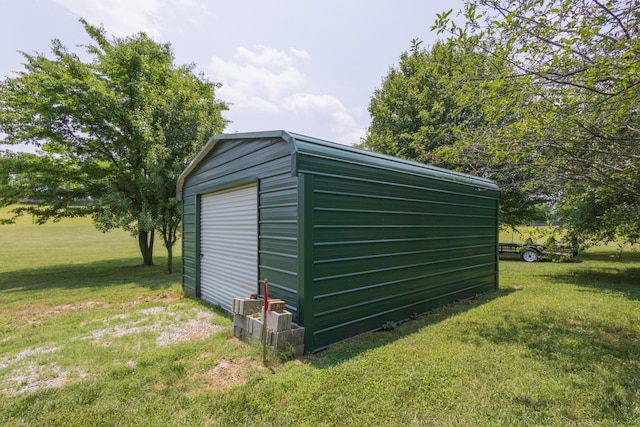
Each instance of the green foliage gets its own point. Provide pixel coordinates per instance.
(440, 106)
(390, 325)
(417, 109)
(118, 129)
(578, 62)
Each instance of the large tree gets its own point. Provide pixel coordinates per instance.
(432, 108)
(582, 59)
(116, 130)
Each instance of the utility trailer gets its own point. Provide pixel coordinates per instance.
(531, 252)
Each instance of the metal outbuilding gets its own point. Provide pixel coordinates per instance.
(349, 239)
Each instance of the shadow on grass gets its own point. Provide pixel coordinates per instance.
(510, 258)
(352, 347)
(579, 348)
(622, 280)
(625, 257)
(90, 275)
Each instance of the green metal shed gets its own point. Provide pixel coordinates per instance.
(349, 239)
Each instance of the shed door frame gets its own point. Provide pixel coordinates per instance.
(228, 244)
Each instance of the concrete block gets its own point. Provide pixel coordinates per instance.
(298, 350)
(278, 340)
(297, 335)
(276, 305)
(247, 306)
(255, 327)
(279, 321)
(239, 333)
(240, 321)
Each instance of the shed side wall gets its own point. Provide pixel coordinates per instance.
(237, 162)
(387, 245)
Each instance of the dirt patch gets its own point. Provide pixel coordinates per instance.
(29, 375)
(35, 315)
(167, 298)
(232, 372)
(34, 377)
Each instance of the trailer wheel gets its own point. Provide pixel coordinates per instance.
(529, 255)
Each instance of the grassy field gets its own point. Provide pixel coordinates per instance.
(87, 337)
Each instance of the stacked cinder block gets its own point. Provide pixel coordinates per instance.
(281, 331)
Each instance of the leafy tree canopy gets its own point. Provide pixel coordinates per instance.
(118, 129)
(540, 95)
(581, 60)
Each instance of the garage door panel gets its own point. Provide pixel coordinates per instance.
(229, 245)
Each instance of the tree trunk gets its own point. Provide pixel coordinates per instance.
(169, 258)
(145, 241)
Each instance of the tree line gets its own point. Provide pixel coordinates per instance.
(541, 96)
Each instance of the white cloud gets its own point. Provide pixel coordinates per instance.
(325, 108)
(120, 17)
(300, 53)
(351, 138)
(126, 17)
(265, 56)
(256, 79)
(264, 85)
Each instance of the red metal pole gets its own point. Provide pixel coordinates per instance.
(264, 291)
(264, 321)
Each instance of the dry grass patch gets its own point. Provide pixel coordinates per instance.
(38, 313)
(229, 372)
(146, 299)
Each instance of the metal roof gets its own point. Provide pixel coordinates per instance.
(305, 145)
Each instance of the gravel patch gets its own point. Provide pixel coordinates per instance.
(153, 310)
(193, 330)
(30, 378)
(172, 324)
(173, 327)
(5, 362)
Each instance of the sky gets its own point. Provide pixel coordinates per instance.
(304, 66)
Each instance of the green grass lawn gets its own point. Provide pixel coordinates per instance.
(88, 337)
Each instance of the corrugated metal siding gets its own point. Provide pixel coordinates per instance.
(236, 162)
(229, 245)
(278, 238)
(387, 245)
(190, 228)
(317, 156)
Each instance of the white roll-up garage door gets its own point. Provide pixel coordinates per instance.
(229, 245)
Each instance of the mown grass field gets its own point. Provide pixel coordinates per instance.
(87, 337)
